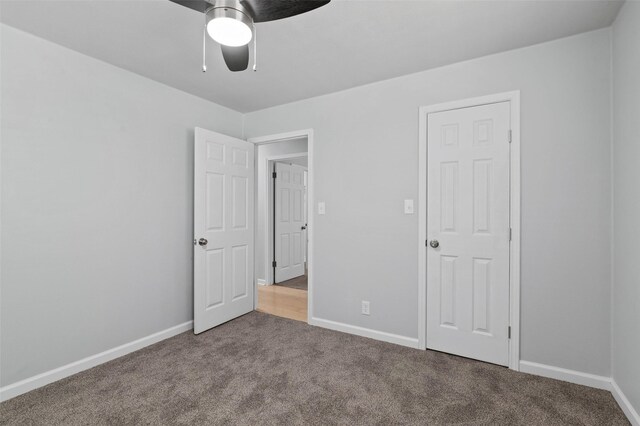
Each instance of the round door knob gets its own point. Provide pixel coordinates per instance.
(203, 241)
(434, 243)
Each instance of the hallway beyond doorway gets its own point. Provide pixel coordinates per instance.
(299, 283)
(282, 301)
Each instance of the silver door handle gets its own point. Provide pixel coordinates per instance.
(434, 243)
(203, 241)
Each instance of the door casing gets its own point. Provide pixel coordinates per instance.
(280, 137)
(514, 213)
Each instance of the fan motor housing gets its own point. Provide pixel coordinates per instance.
(229, 9)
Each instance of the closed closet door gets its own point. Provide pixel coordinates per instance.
(468, 232)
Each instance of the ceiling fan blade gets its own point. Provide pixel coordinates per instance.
(236, 58)
(271, 10)
(199, 5)
(261, 10)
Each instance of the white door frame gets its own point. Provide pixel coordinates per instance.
(514, 215)
(308, 133)
(268, 247)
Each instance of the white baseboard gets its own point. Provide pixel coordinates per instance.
(260, 281)
(365, 332)
(571, 376)
(31, 383)
(585, 379)
(624, 403)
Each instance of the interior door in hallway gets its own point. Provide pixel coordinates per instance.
(223, 229)
(468, 229)
(289, 221)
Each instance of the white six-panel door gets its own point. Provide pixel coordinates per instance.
(289, 221)
(468, 232)
(223, 229)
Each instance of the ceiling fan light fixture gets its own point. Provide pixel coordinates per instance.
(229, 26)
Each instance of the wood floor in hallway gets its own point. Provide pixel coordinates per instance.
(283, 302)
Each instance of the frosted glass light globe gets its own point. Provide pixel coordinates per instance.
(229, 31)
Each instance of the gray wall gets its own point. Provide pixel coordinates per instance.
(96, 204)
(626, 208)
(366, 163)
(264, 191)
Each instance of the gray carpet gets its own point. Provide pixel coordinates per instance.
(260, 369)
(299, 283)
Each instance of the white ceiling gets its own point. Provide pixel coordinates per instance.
(341, 45)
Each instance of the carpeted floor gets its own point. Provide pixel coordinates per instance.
(299, 283)
(261, 369)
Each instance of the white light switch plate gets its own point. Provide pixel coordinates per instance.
(321, 208)
(408, 206)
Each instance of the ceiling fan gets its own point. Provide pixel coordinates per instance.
(231, 23)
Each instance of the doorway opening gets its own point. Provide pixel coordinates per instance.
(282, 268)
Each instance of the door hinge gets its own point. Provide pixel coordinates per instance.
(509, 332)
(510, 234)
(426, 243)
(273, 175)
(274, 264)
(510, 136)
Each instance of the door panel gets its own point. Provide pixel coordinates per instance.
(223, 216)
(240, 271)
(240, 201)
(468, 214)
(289, 221)
(214, 278)
(448, 291)
(215, 210)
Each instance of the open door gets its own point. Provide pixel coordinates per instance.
(289, 221)
(223, 229)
